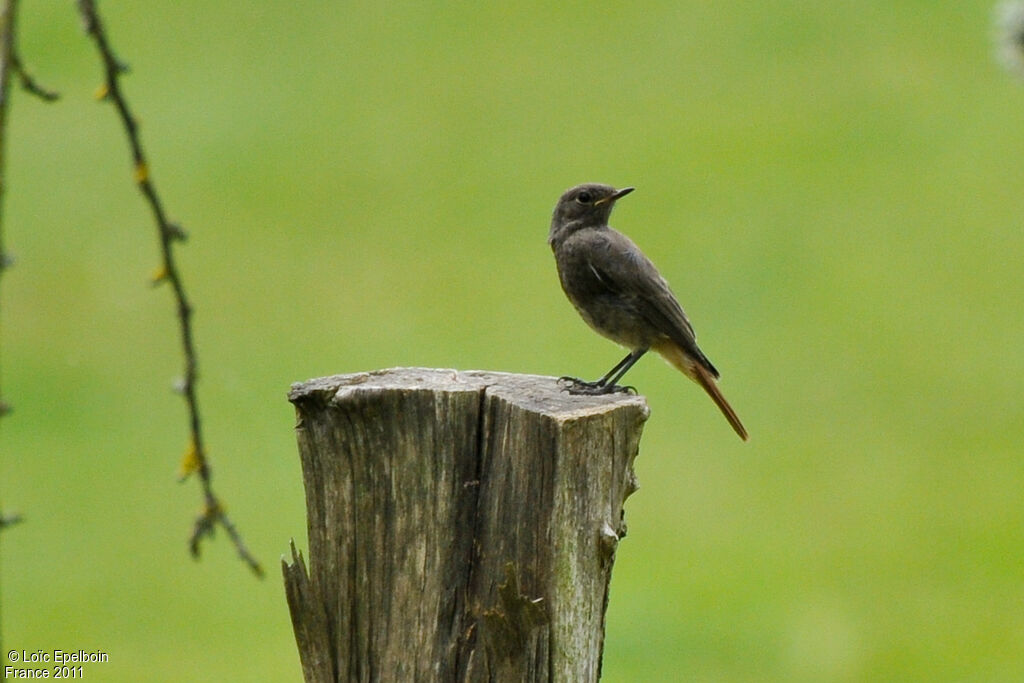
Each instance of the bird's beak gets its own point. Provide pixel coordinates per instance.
(619, 194)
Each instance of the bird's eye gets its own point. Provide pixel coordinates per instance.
(584, 197)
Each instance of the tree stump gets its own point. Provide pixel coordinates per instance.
(462, 525)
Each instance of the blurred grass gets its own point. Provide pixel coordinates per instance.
(832, 190)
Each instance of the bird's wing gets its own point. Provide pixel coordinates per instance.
(624, 270)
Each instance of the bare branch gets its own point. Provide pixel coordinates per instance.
(7, 15)
(29, 84)
(169, 233)
(7, 11)
(10, 63)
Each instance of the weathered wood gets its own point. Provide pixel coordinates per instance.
(462, 525)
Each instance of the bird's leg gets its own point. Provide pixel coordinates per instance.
(607, 384)
(575, 385)
(626, 363)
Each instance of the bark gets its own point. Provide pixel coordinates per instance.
(462, 525)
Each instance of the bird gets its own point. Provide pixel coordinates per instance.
(621, 295)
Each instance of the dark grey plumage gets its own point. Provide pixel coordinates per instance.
(620, 293)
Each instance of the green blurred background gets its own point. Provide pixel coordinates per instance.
(833, 190)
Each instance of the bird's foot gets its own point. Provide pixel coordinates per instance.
(577, 387)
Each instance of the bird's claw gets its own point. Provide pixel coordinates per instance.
(577, 387)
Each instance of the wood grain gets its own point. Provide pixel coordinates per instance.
(462, 525)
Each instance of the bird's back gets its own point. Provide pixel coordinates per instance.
(620, 292)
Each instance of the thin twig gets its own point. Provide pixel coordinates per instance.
(29, 84)
(7, 15)
(11, 62)
(7, 11)
(195, 460)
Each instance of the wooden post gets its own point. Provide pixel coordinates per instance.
(462, 525)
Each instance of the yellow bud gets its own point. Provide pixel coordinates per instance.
(189, 462)
(101, 92)
(158, 276)
(141, 173)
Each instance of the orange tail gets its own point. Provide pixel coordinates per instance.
(699, 374)
(705, 379)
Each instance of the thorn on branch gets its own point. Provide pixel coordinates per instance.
(176, 233)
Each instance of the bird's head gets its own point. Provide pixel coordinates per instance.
(584, 206)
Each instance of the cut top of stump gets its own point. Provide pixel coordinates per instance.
(536, 393)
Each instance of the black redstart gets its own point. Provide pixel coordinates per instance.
(620, 294)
